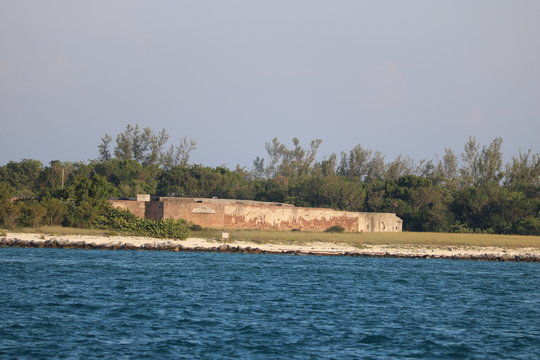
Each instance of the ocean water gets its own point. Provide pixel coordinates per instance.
(86, 304)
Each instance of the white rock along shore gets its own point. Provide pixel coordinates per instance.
(315, 248)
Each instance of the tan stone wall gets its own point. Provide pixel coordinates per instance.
(386, 222)
(286, 218)
(204, 214)
(136, 207)
(144, 209)
(239, 214)
(143, 197)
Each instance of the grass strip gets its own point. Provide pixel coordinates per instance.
(303, 237)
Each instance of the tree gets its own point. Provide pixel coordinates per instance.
(356, 163)
(129, 176)
(490, 163)
(147, 147)
(303, 159)
(86, 199)
(124, 144)
(327, 167)
(447, 169)
(334, 192)
(523, 171)
(293, 163)
(203, 181)
(426, 169)
(469, 170)
(493, 208)
(481, 167)
(421, 204)
(54, 176)
(272, 190)
(399, 167)
(9, 213)
(178, 155)
(32, 213)
(376, 168)
(363, 164)
(104, 151)
(260, 171)
(22, 176)
(156, 145)
(55, 211)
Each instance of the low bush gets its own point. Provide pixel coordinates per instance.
(460, 228)
(335, 229)
(32, 213)
(125, 221)
(56, 209)
(529, 226)
(196, 227)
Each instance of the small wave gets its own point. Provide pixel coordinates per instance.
(63, 296)
(375, 339)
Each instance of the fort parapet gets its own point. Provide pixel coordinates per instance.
(246, 214)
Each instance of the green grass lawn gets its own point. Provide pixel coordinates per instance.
(355, 239)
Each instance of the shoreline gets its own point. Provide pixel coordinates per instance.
(137, 243)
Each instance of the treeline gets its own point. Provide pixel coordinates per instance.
(470, 192)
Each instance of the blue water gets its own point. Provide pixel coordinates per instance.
(57, 304)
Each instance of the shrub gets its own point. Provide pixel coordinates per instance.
(31, 213)
(335, 229)
(195, 227)
(125, 221)
(56, 209)
(9, 212)
(529, 226)
(460, 228)
(86, 200)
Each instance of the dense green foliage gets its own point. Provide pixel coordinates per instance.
(475, 194)
(125, 221)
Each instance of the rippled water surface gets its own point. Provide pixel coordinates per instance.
(126, 304)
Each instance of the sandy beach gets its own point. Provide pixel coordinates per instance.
(315, 248)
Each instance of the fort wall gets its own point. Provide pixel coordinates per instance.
(244, 214)
(138, 208)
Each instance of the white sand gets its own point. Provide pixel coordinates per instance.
(315, 247)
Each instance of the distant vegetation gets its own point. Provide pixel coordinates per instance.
(470, 193)
(124, 221)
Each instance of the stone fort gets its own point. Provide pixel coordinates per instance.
(246, 214)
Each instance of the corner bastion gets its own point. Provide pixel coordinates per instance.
(247, 214)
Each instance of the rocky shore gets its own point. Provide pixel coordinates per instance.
(204, 245)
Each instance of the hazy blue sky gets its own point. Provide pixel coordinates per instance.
(401, 77)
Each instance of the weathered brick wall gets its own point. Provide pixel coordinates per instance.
(136, 207)
(153, 210)
(287, 218)
(239, 214)
(258, 215)
(204, 214)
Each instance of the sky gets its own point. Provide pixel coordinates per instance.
(400, 77)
